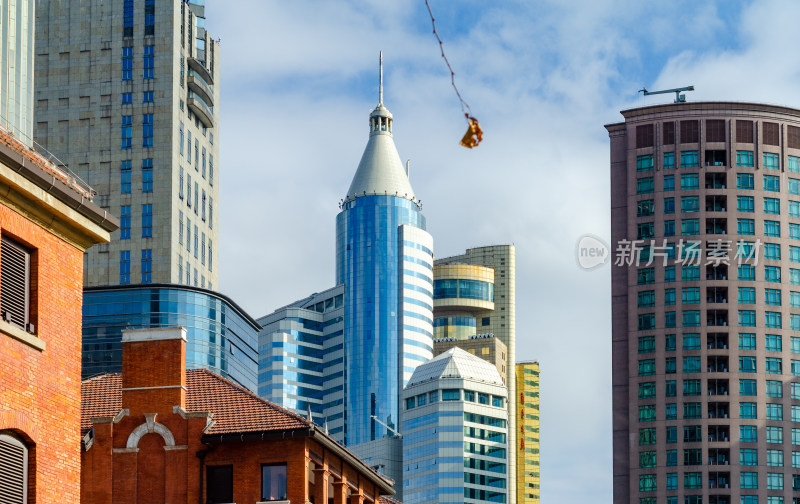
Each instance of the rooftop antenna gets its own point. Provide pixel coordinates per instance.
(679, 98)
(380, 87)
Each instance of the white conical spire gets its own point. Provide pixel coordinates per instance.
(380, 171)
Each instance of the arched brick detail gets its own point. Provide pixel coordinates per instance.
(146, 428)
(19, 423)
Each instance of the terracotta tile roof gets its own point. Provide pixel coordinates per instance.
(236, 410)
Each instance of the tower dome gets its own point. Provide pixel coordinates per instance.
(380, 171)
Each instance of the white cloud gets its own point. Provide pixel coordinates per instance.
(299, 80)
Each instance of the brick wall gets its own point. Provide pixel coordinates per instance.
(40, 391)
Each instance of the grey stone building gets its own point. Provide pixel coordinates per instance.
(127, 96)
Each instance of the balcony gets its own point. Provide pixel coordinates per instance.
(201, 110)
(200, 88)
(718, 434)
(717, 363)
(716, 180)
(719, 456)
(719, 479)
(201, 70)
(718, 272)
(715, 158)
(717, 387)
(717, 295)
(718, 410)
(716, 203)
(717, 318)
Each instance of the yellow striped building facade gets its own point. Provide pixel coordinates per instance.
(527, 397)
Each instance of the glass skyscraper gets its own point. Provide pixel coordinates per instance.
(384, 258)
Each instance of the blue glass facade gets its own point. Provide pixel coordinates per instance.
(368, 263)
(221, 336)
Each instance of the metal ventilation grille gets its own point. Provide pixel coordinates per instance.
(12, 473)
(14, 283)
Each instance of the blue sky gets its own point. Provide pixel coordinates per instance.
(299, 80)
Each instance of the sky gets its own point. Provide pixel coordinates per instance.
(300, 77)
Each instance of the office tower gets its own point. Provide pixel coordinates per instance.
(485, 346)
(301, 358)
(16, 68)
(475, 293)
(527, 449)
(127, 97)
(704, 339)
(455, 430)
(384, 259)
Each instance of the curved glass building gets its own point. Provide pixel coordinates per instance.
(384, 258)
(221, 336)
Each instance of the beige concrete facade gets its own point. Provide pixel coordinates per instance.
(501, 321)
(83, 94)
(485, 346)
(705, 402)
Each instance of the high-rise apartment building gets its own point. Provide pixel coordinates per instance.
(454, 421)
(16, 68)
(127, 96)
(705, 225)
(527, 450)
(475, 293)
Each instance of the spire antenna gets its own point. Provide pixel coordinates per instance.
(380, 86)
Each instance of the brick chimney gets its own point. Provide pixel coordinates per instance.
(153, 370)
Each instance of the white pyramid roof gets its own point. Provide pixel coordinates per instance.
(456, 363)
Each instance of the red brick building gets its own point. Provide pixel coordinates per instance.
(160, 433)
(47, 221)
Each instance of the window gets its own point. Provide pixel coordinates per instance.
(669, 205)
(647, 367)
(747, 410)
(689, 273)
(125, 267)
(273, 482)
(219, 484)
(669, 365)
(774, 365)
(747, 341)
(773, 342)
(127, 98)
(147, 97)
(180, 142)
(745, 226)
(669, 274)
(772, 206)
(669, 342)
(671, 412)
(748, 456)
(125, 177)
(747, 387)
(189, 190)
(690, 295)
(469, 396)
(690, 204)
(127, 18)
(744, 181)
(669, 183)
(795, 367)
(691, 318)
(196, 240)
(671, 436)
(749, 480)
(450, 395)
(647, 482)
(196, 198)
(147, 266)
(693, 480)
(644, 185)
(693, 456)
(747, 295)
(748, 434)
(196, 155)
(772, 183)
(746, 272)
(672, 481)
(669, 296)
(774, 480)
(669, 160)
(647, 390)
(794, 208)
(774, 411)
(772, 320)
(747, 364)
(127, 131)
(691, 388)
(210, 212)
(775, 435)
(670, 386)
(772, 228)
(690, 181)
(647, 436)
(794, 231)
(149, 57)
(203, 206)
(210, 257)
(745, 204)
(147, 175)
(795, 344)
(691, 341)
(772, 251)
(644, 163)
(15, 286)
(770, 161)
(744, 158)
(125, 222)
(188, 236)
(774, 388)
(147, 221)
(189, 147)
(669, 228)
(647, 344)
(14, 463)
(127, 63)
(691, 364)
(203, 162)
(147, 130)
(210, 168)
(645, 276)
(772, 273)
(149, 17)
(690, 158)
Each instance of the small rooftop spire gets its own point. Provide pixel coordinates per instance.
(380, 86)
